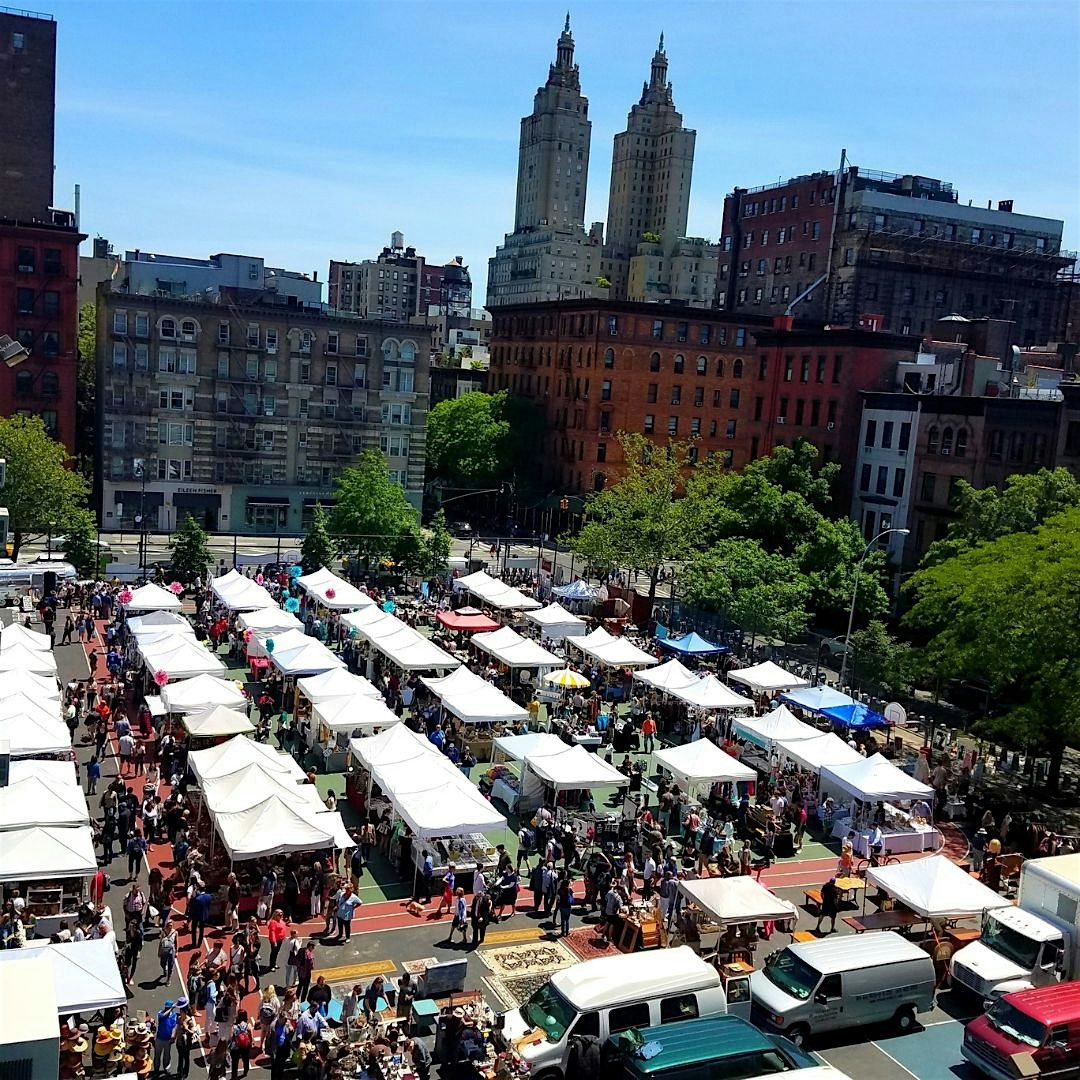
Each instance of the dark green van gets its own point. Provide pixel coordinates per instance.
(713, 1048)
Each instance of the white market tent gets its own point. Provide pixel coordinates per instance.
(284, 640)
(30, 735)
(335, 683)
(218, 721)
(39, 687)
(20, 635)
(473, 699)
(250, 785)
(272, 827)
(556, 622)
(578, 590)
(269, 620)
(780, 725)
(19, 657)
(151, 597)
(200, 693)
(874, 779)
(737, 900)
(613, 651)
(229, 756)
(43, 710)
(334, 592)
(49, 769)
(158, 636)
(311, 657)
(44, 852)
(767, 678)
(710, 693)
(496, 593)
(515, 651)
(532, 744)
(816, 698)
(37, 801)
(669, 675)
(575, 769)
(703, 762)
(85, 973)
(354, 715)
(156, 619)
(240, 593)
(389, 747)
(400, 643)
(936, 888)
(827, 749)
(180, 658)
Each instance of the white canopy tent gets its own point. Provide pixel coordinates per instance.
(874, 779)
(556, 622)
(48, 769)
(767, 678)
(250, 785)
(43, 852)
(310, 658)
(30, 735)
(85, 973)
(389, 747)
(612, 651)
(240, 593)
(667, 676)
(200, 693)
(816, 698)
(710, 693)
(780, 725)
(334, 592)
(218, 721)
(39, 687)
(353, 715)
(44, 710)
(269, 620)
(400, 643)
(936, 888)
(533, 744)
(38, 801)
(229, 756)
(151, 597)
(496, 593)
(336, 683)
(734, 901)
(161, 636)
(19, 657)
(473, 699)
(284, 640)
(813, 754)
(575, 769)
(703, 762)
(273, 826)
(515, 651)
(140, 623)
(180, 658)
(18, 634)
(578, 591)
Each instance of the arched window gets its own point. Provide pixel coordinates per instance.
(188, 328)
(50, 384)
(961, 442)
(719, 367)
(736, 369)
(390, 349)
(24, 382)
(609, 358)
(946, 442)
(680, 363)
(654, 362)
(702, 365)
(408, 351)
(933, 437)
(167, 327)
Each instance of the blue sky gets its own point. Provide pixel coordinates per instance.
(304, 131)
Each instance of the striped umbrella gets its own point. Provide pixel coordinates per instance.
(567, 679)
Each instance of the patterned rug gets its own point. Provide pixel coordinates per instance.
(514, 962)
(586, 943)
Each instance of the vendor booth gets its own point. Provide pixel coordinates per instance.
(495, 593)
(309, 657)
(566, 775)
(514, 651)
(669, 675)
(874, 780)
(17, 634)
(231, 793)
(777, 726)
(31, 736)
(814, 754)
(40, 688)
(335, 683)
(710, 693)
(275, 827)
(138, 624)
(51, 867)
(20, 657)
(856, 715)
(237, 752)
(151, 597)
(935, 888)
(239, 593)
(53, 771)
(692, 644)
(85, 973)
(604, 648)
(767, 678)
(512, 784)
(475, 701)
(703, 762)
(333, 592)
(578, 592)
(200, 693)
(336, 720)
(268, 620)
(556, 623)
(37, 800)
(400, 644)
(218, 722)
(816, 699)
(466, 620)
(180, 658)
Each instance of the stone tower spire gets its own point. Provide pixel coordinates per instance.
(564, 72)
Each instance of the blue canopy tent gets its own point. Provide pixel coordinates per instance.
(817, 698)
(576, 590)
(692, 644)
(855, 715)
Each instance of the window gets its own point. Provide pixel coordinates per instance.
(270, 370)
(815, 233)
(222, 333)
(673, 425)
(613, 325)
(763, 366)
(679, 365)
(759, 406)
(699, 396)
(601, 451)
(736, 369)
(838, 366)
(24, 383)
(658, 329)
(331, 375)
(170, 434)
(167, 328)
(730, 431)
(721, 336)
(50, 344)
(871, 433)
(650, 394)
(24, 301)
(864, 478)
(789, 367)
(800, 407)
(50, 304)
(782, 410)
(740, 337)
(997, 444)
(733, 402)
(605, 390)
(332, 340)
(120, 322)
(702, 365)
(1038, 446)
(654, 362)
(882, 483)
(695, 425)
(927, 486)
(609, 358)
(305, 371)
(176, 398)
(681, 331)
(704, 334)
(172, 469)
(50, 384)
(898, 483)
(629, 1016)
(396, 414)
(676, 395)
(222, 400)
(650, 424)
(905, 437)
(933, 440)
(271, 341)
(961, 442)
(683, 1007)
(815, 413)
(886, 435)
(119, 354)
(1016, 446)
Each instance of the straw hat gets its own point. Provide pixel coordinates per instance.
(106, 1040)
(74, 1044)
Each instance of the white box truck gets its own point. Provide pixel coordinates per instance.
(1033, 944)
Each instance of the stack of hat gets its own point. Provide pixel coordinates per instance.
(107, 1042)
(73, 1044)
(137, 1058)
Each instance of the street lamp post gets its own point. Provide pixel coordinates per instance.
(855, 592)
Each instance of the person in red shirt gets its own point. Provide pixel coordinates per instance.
(276, 931)
(648, 732)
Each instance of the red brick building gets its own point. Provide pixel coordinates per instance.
(736, 386)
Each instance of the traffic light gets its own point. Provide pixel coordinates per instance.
(564, 504)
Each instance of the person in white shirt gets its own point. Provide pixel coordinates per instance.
(648, 873)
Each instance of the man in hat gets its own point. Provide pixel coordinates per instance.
(168, 1020)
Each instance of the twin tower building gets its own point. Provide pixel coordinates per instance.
(645, 254)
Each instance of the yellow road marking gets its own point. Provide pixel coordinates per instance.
(347, 972)
(503, 937)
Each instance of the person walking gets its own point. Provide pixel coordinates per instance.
(292, 953)
(240, 1043)
(347, 902)
(565, 899)
(198, 912)
(187, 1035)
(427, 876)
(449, 879)
(136, 852)
(480, 916)
(168, 944)
(93, 775)
(461, 920)
(648, 732)
(830, 903)
(276, 932)
(305, 966)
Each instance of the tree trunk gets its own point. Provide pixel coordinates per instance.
(16, 544)
(1056, 753)
(654, 575)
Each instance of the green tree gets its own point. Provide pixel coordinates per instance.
(881, 659)
(372, 515)
(466, 439)
(639, 522)
(80, 544)
(437, 544)
(191, 556)
(318, 549)
(763, 593)
(86, 391)
(1026, 501)
(1004, 613)
(42, 495)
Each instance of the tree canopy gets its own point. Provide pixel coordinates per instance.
(317, 549)
(1004, 612)
(437, 544)
(191, 556)
(80, 544)
(372, 516)
(86, 390)
(42, 494)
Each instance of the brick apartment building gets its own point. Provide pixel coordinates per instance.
(736, 386)
(39, 262)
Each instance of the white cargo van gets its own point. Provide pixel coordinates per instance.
(607, 995)
(842, 982)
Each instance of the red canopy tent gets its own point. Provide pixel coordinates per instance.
(467, 620)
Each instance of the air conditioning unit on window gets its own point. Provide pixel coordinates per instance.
(830, 426)
(781, 419)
